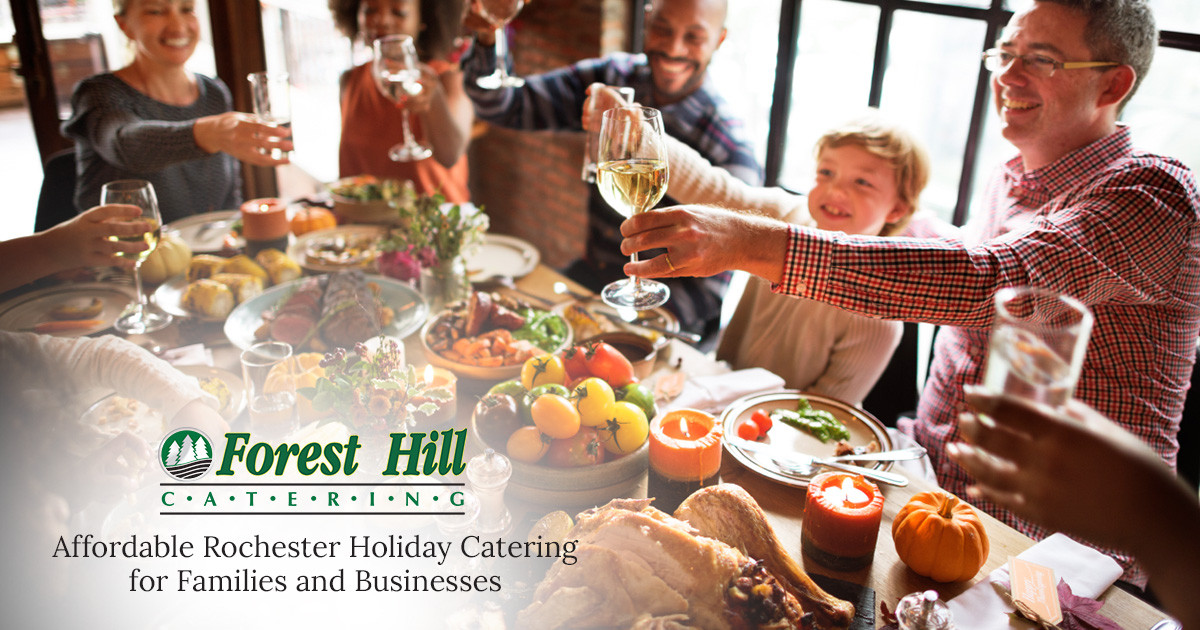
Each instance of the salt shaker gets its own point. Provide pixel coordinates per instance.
(488, 476)
(923, 611)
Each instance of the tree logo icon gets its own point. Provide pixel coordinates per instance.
(185, 454)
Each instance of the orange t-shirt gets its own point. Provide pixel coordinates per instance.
(371, 124)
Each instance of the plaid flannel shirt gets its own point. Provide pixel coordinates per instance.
(1118, 229)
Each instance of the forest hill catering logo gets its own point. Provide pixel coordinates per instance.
(186, 454)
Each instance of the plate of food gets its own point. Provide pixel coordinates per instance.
(213, 286)
(589, 318)
(205, 233)
(319, 313)
(68, 310)
(335, 249)
(831, 427)
(489, 336)
(115, 414)
(500, 255)
(226, 386)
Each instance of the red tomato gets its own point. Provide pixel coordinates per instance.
(574, 364)
(584, 449)
(608, 363)
(746, 430)
(762, 420)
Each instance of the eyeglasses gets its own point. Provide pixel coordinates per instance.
(998, 60)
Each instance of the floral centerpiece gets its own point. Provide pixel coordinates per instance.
(374, 391)
(431, 246)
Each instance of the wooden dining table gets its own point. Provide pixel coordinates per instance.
(783, 504)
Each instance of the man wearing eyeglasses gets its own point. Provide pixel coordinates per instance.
(1078, 211)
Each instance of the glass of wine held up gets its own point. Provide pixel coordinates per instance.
(140, 317)
(498, 13)
(632, 177)
(398, 78)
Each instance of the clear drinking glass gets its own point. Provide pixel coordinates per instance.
(499, 13)
(270, 388)
(632, 177)
(398, 78)
(271, 96)
(1037, 345)
(141, 316)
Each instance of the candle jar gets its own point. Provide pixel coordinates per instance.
(842, 514)
(265, 225)
(685, 455)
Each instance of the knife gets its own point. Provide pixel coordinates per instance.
(787, 456)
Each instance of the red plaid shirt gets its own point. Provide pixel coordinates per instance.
(1116, 228)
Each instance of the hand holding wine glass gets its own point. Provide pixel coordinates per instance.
(140, 317)
(498, 13)
(632, 178)
(398, 77)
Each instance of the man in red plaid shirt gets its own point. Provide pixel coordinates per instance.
(1079, 211)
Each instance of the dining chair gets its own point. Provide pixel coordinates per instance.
(56, 202)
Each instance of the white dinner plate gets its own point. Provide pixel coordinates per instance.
(27, 310)
(863, 428)
(363, 238)
(657, 316)
(205, 233)
(169, 297)
(500, 255)
(410, 310)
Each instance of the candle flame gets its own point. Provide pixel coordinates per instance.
(683, 427)
(263, 207)
(428, 375)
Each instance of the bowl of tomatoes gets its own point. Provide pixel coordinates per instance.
(574, 424)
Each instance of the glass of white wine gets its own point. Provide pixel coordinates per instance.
(632, 177)
(1038, 341)
(498, 13)
(398, 78)
(141, 317)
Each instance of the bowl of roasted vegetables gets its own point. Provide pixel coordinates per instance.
(489, 336)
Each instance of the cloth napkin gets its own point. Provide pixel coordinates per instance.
(1088, 572)
(716, 392)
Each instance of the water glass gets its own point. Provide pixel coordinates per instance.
(1037, 345)
(272, 100)
(270, 389)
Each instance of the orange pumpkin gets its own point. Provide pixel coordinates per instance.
(940, 537)
(312, 218)
(305, 370)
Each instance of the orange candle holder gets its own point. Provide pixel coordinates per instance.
(265, 224)
(842, 515)
(440, 378)
(685, 455)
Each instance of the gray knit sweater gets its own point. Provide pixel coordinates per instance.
(121, 133)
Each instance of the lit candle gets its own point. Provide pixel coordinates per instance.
(265, 225)
(440, 378)
(685, 455)
(841, 520)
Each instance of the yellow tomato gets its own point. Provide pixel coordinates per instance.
(540, 370)
(555, 416)
(528, 445)
(626, 430)
(594, 398)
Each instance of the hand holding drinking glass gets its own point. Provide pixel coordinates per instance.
(498, 13)
(398, 77)
(632, 177)
(140, 317)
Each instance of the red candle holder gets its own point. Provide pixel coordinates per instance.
(842, 515)
(265, 224)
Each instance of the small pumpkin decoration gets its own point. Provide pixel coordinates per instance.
(940, 537)
(311, 219)
(305, 371)
(169, 259)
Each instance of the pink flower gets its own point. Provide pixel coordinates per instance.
(400, 265)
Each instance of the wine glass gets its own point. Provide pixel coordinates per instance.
(632, 177)
(139, 317)
(399, 79)
(498, 13)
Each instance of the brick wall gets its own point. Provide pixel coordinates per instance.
(529, 181)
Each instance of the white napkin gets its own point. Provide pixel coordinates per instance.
(1087, 571)
(714, 393)
(192, 354)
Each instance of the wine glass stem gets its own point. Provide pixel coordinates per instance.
(409, 141)
(137, 282)
(501, 52)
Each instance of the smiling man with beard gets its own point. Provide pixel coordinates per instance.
(681, 37)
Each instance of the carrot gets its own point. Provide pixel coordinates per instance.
(65, 325)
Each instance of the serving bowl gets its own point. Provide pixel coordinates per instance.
(479, 372)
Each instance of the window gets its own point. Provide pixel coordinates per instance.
(918, 61)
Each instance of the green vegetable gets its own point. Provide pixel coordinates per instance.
(818, 422)
(545, 329)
